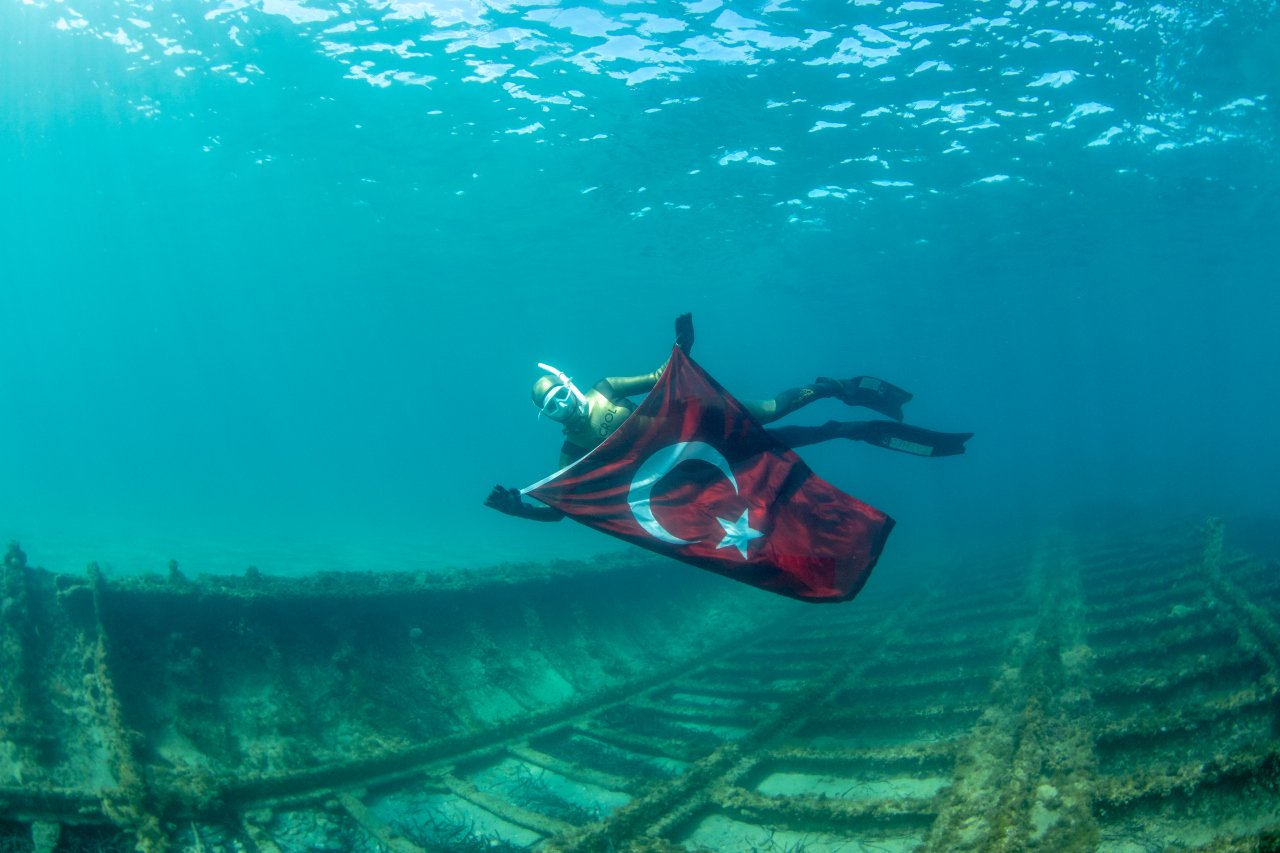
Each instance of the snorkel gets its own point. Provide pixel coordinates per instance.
(556, 403)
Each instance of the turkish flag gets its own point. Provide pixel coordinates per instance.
(691, 475)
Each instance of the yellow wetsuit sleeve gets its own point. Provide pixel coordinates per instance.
(625, 386)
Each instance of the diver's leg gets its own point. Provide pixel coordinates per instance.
(767, 411)
(887, 434)
(875, 394)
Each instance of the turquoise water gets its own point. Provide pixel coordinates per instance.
(276, 275)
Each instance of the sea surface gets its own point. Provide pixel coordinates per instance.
(275, 276)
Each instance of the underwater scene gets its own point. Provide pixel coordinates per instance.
(970, 539)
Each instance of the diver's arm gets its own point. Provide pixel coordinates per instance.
(625, 386)
(509, 501)
(615, 387)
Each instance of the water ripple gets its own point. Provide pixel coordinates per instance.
(816, 91)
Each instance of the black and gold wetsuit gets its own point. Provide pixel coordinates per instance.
(607, 406)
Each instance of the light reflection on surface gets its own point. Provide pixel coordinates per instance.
(849, 100)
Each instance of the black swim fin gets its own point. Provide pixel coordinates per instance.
(870, 392)
(905, 438)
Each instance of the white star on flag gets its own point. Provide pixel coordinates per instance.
(738, 534)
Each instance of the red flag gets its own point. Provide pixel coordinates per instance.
(691, 475)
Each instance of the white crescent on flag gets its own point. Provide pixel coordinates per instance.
(658, 465)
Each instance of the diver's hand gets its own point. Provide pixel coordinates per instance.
(505, 500)
(684, 332)
(509, 501)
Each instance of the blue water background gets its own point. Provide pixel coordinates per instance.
(275, 276)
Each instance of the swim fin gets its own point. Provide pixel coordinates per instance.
(904, 438)
(875, 394)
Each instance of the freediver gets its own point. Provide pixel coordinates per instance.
(589, 418)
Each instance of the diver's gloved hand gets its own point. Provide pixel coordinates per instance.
(684, 332)
(505, 500)
(508, 500)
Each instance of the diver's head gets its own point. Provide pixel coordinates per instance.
(557, 397)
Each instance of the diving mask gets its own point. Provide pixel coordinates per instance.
(562, 400)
